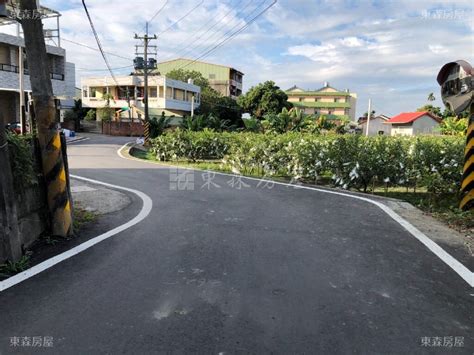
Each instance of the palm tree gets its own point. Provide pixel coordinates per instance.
(431, 97)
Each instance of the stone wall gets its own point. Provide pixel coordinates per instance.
(127, 129)
(32, 213)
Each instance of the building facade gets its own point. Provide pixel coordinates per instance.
(171, 97)
(377, 126)
(62, 76)
(223, 79)
(414, 123)
(333, 103)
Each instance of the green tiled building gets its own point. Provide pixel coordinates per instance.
(324, 101)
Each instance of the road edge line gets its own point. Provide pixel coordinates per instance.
(34, 270)
(442, 254)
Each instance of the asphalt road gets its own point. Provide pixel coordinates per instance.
(255, 269)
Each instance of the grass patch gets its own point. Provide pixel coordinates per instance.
(11, 268)
(82, 217)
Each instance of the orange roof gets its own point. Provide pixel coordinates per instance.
(409, 117)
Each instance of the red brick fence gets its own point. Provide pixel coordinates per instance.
(128, 129)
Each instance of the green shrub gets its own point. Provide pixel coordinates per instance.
(21, 160)
(353, 161)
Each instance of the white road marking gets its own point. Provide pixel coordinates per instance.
(449, 260)
(82, 139)
(144, 212)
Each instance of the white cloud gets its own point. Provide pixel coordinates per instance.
(373, 48)
(437, 49)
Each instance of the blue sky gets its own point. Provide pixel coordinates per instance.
(388, 50)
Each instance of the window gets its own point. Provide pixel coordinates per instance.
(178, 94)
(162, 91)
(212, 76)
(169, 92)
(84, 91)
(316, 111)
(301, 99)
(381, 133)
(336, 99)
(316, 99)
(153, 91)
(330, 112)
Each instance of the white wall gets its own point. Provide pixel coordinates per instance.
(376, 125)
(405, 130)
(425, 125)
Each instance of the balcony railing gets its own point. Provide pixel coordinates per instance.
(16, 69)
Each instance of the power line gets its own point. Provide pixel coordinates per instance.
(196, 44)
(181, 18)
(232, 35)
(91, 69)
(159, 10)
(94, 49)
(98, 43)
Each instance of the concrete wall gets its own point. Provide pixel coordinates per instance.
(33, 219)
(401, 130)
(377, 125)
(425, 125)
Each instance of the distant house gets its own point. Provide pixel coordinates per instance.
(377, 125)
(328, 101)
(414, 123)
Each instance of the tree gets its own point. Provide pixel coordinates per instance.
(431, 97)
(106, 113)
(286, 120)
(184, 75)
(265, 98)
(435, 110)
(212, 102)
(372, 114)
(48, 136)
(454, 126)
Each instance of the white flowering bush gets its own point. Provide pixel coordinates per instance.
(352, 161)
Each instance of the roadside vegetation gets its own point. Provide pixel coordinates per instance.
(425, 171)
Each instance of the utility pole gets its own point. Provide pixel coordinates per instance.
(146, 67)
(21, 76)
(54, 171)
(369, 114)
(129, 107)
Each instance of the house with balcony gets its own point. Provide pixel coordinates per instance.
(62, 72)
(333, 103)
(225, 80)
(125, 95)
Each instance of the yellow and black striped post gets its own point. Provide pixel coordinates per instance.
(146, 133)
(56, 182)
(467, 184)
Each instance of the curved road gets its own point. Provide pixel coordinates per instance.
(255, 269)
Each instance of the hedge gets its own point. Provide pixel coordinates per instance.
(352, 161)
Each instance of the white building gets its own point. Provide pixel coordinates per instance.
(377, 126)
(414, 123)
(173, 97)
(62, 76)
